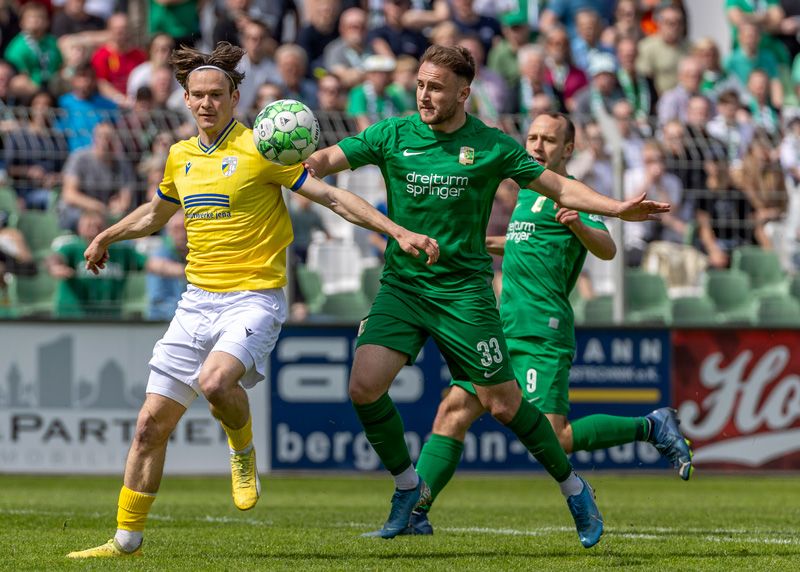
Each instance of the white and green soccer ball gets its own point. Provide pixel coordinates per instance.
(286, 132)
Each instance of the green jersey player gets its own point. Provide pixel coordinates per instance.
(544, 250)
(442, 168)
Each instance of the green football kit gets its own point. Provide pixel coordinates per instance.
(443, 185)
(542, 262)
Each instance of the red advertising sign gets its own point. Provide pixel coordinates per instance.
(738, 396)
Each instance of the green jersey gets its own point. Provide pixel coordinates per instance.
(441, 185)
(87, 294)
(541, 264)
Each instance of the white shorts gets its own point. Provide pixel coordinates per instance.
(243, 324)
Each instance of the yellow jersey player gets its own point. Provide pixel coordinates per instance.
(229, 318)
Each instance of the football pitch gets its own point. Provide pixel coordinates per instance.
(653, 522)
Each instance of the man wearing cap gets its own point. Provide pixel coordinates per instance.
(502, 58)
(370, 101)
(603, 91)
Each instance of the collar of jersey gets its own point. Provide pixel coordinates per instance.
(218, 141)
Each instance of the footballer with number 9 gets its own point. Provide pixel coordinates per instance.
(229, 318)
(442, 168)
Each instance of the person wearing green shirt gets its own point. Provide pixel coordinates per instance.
(80, 293)
(34, 52)
(544, 250)
(442, 168)
(178, 19)
(767, 15)
(372, 99)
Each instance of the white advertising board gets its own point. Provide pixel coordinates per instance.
(70, 393)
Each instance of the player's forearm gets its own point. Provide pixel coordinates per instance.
(356, 210)
(596, 241)
(496, 245)
(144, 221)
(574, 195)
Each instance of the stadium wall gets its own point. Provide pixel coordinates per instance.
(69, 393)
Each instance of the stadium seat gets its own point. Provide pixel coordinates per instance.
(36, 294)
(730, 292)
(763, 267)
(693, 311)
(310, 284)
(371, 281)
(134, 296)
(9, 205)
(646, 298)
(347, 306)
(578, 303)
(778, 311)
(40, 228)
(794, 287)
(599, 311)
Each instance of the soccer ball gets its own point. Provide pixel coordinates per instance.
(286, 132)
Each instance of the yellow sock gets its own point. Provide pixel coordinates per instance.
(132, 509)
(240, 439)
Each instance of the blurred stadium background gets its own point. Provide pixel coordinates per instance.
(695, 102)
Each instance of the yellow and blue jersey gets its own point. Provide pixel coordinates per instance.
(237, 224)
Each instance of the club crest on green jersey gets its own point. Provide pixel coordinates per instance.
(466, 156)
(229, 165)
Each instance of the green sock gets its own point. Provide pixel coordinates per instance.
(384, 430)
(438, 461)
(535, 432)
(602, 431)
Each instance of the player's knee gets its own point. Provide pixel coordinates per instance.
(502, 410)
(214, 385)
(362, 392)
(150, 432)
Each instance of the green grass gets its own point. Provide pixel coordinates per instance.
(653, 522)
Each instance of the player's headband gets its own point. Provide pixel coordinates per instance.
(210, 67)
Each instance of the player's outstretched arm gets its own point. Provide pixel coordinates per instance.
(144, 221)
(358, 211)
(596, 240)
(327, 161)
(575, 195)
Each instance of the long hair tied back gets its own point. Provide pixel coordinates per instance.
(225, 57)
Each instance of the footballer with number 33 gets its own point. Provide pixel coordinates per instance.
(442, 168)
(228, 320)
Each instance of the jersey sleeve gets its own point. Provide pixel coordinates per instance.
(291, 176)
(518, 164)
(367, 148)
(167, 190)
(593, 221)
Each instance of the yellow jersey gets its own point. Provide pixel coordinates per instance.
(237, 224)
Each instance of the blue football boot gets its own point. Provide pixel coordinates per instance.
(419, 523)
(588, 520)
(669, 441)
(403, 503)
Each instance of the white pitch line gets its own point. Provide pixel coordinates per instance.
(650, 533)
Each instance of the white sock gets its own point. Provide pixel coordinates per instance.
(406, 480)
(128, 540)
(243, 451)
(572, 486)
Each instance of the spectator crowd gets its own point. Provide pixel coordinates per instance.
(89, 108)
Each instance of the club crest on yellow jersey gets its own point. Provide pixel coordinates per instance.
(229, 165)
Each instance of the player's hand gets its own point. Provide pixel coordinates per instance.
(96, 257)
(412, 243)
(310, 166)
(639, 209)
(568, 217)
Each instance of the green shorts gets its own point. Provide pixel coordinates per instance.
(541, 368)
(467, 331)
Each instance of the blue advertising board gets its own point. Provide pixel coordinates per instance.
(313, 426)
